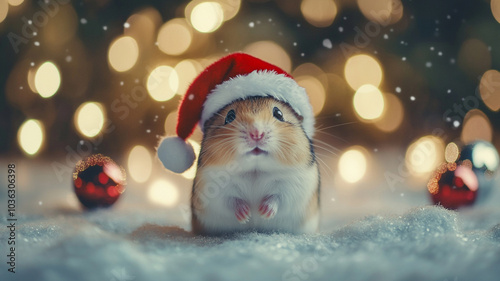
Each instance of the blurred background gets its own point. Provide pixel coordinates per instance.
(391, 82)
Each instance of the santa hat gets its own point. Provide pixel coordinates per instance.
(233, 77)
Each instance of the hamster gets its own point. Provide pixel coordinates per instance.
(257, 171)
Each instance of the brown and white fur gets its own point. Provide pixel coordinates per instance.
(256, 173)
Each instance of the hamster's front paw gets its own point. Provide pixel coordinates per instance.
(241, 210)
(269, 206)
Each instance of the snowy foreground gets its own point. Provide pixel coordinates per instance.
(396, 237)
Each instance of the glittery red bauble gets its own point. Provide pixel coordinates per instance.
(453, 186)
(98, 181)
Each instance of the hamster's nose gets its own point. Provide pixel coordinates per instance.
(255, 134)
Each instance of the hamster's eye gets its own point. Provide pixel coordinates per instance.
(231, 115)
(278, 114)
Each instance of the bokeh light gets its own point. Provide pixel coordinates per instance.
(451, 152)
(362, 69)
(270, 52)
(207, 17)
(175, 37)
(187, 70)
(31, 136)
(143, 26)
(171, 123)
(191, 172)
(315, 91)
(368, 102)
(47, 79)
(15, 2)
(139, 164)
(123, 53)
(230, 8)
(89, 119)
(393, 114)
(489, 88)
(476, 127)
(61, 28)
(4, 9)
(319, 13)
(162, 83)
(495, 9)
(353, 164)
(424, 155)
(474, 57)
(164, 193)
(485, 155)
(381, 11)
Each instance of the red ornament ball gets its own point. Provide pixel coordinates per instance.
(453, 186)
(98, 181)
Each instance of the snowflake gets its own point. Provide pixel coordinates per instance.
(327, 43)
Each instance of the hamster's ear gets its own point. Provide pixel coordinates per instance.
(301, 118)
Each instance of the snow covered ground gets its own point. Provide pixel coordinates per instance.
(370, 232)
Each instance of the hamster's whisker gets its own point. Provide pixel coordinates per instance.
(316, 141)
(335, 126)
(324, 166)
(334, 136)
(217, 146)
(318, 147)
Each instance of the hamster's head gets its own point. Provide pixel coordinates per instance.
(258, 132)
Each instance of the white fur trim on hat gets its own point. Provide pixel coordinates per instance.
(261, 83)
(176, 154)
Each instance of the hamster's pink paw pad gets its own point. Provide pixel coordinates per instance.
(242, 211)
(269, 206)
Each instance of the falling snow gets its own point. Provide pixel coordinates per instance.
(83, 21)
(68, 58)
(386, 36)
(412, 98)
(428, 64)
(398, 90)
(105, 27)
(327, 43)
(251, 24)
(37, 43)
(126, 25)
(456, 123)
(341, 29)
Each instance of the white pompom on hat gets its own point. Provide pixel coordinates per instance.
(233, 77)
